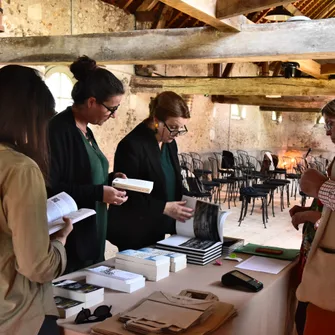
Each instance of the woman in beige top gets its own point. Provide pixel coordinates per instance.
(28, 259)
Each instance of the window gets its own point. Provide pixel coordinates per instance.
(238, 112)
(60, 82)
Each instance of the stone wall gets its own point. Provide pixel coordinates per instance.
(210, 128)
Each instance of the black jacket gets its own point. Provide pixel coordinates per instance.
(140, 221)
(70, 171)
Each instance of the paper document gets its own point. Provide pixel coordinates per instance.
(263, 264)
(136, 185)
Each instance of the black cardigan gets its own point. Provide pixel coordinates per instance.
(140, 221)
(70, 171)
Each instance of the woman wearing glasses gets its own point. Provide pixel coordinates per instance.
(150, 152)
(78, 167)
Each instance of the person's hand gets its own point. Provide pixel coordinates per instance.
(297, 209)
(302, 217)
(311, 181)
(120, 175)
(61, 235)
(178, 211)
(113, 196)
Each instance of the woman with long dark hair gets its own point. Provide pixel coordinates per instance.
(29, 261)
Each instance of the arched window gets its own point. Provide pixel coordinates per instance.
(60, 82)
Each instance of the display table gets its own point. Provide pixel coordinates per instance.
(270, 311)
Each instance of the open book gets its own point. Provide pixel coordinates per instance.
(136, 185)
(63, 205)
(202, 233)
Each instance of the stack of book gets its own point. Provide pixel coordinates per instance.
(200, 252)
(200, 237)
(178, 261)
(72, 293)
(68, 307)
(230, 244)
(154, 268)
(115, 279)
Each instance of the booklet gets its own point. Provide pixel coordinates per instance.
(64, 205)
(136, 185)
(203, 232)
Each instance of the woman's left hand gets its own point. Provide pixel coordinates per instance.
(120, 175)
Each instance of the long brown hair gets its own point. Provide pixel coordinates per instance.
(26, 106)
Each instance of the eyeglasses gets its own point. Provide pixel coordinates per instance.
(100, 314)
(328, 126)
(176, 132)
(111, 109)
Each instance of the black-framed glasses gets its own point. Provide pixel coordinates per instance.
(100, 314)
(176, 132)
(328, 125)
(112, 110)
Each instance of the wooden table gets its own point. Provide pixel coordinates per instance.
(270, 311)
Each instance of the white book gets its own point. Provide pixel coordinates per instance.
(137, 185)
(202, 232)
(115, 279)
(68, 307)
(77, 290)
(178, 261)
(142, 257)
(61, 205)
(152, 273)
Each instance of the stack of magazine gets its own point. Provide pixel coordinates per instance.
(200, 237)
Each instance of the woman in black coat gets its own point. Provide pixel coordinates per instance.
(77, 165)
(150, 152)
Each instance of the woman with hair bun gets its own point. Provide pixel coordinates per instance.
(78, 167)
(150, 152)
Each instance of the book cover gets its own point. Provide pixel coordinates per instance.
(68, 307)
(116, 274)
(142, 257)
(77, 290)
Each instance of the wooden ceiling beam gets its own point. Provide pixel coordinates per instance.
(284, 102)
(294, 10)
(289, 40)
(311, 68)
(147, 5)
(234, 86)
(296, 110)
(327, 69)
(204, 11)
(229, 8)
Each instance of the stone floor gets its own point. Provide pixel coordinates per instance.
(279, 231)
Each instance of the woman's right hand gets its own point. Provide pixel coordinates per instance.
(178, 211)
(61, 235)
(113, 196)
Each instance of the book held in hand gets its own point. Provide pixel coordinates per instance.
(61, 205)
(137, 185)
(87, 293)
(68, 307)
(115, 279)
(200, 237)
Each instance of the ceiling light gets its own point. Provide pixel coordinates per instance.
(278, 14)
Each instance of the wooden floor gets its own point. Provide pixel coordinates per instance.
(279, 231)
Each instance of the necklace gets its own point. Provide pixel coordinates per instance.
(83, 131)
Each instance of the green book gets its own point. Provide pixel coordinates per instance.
(288, 254)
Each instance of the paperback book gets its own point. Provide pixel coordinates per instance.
(201, 236)
(61, 205)
(68, 307)
(115, 279)
(87, 293)
(136, 185)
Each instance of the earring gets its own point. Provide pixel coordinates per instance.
(156, 128)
